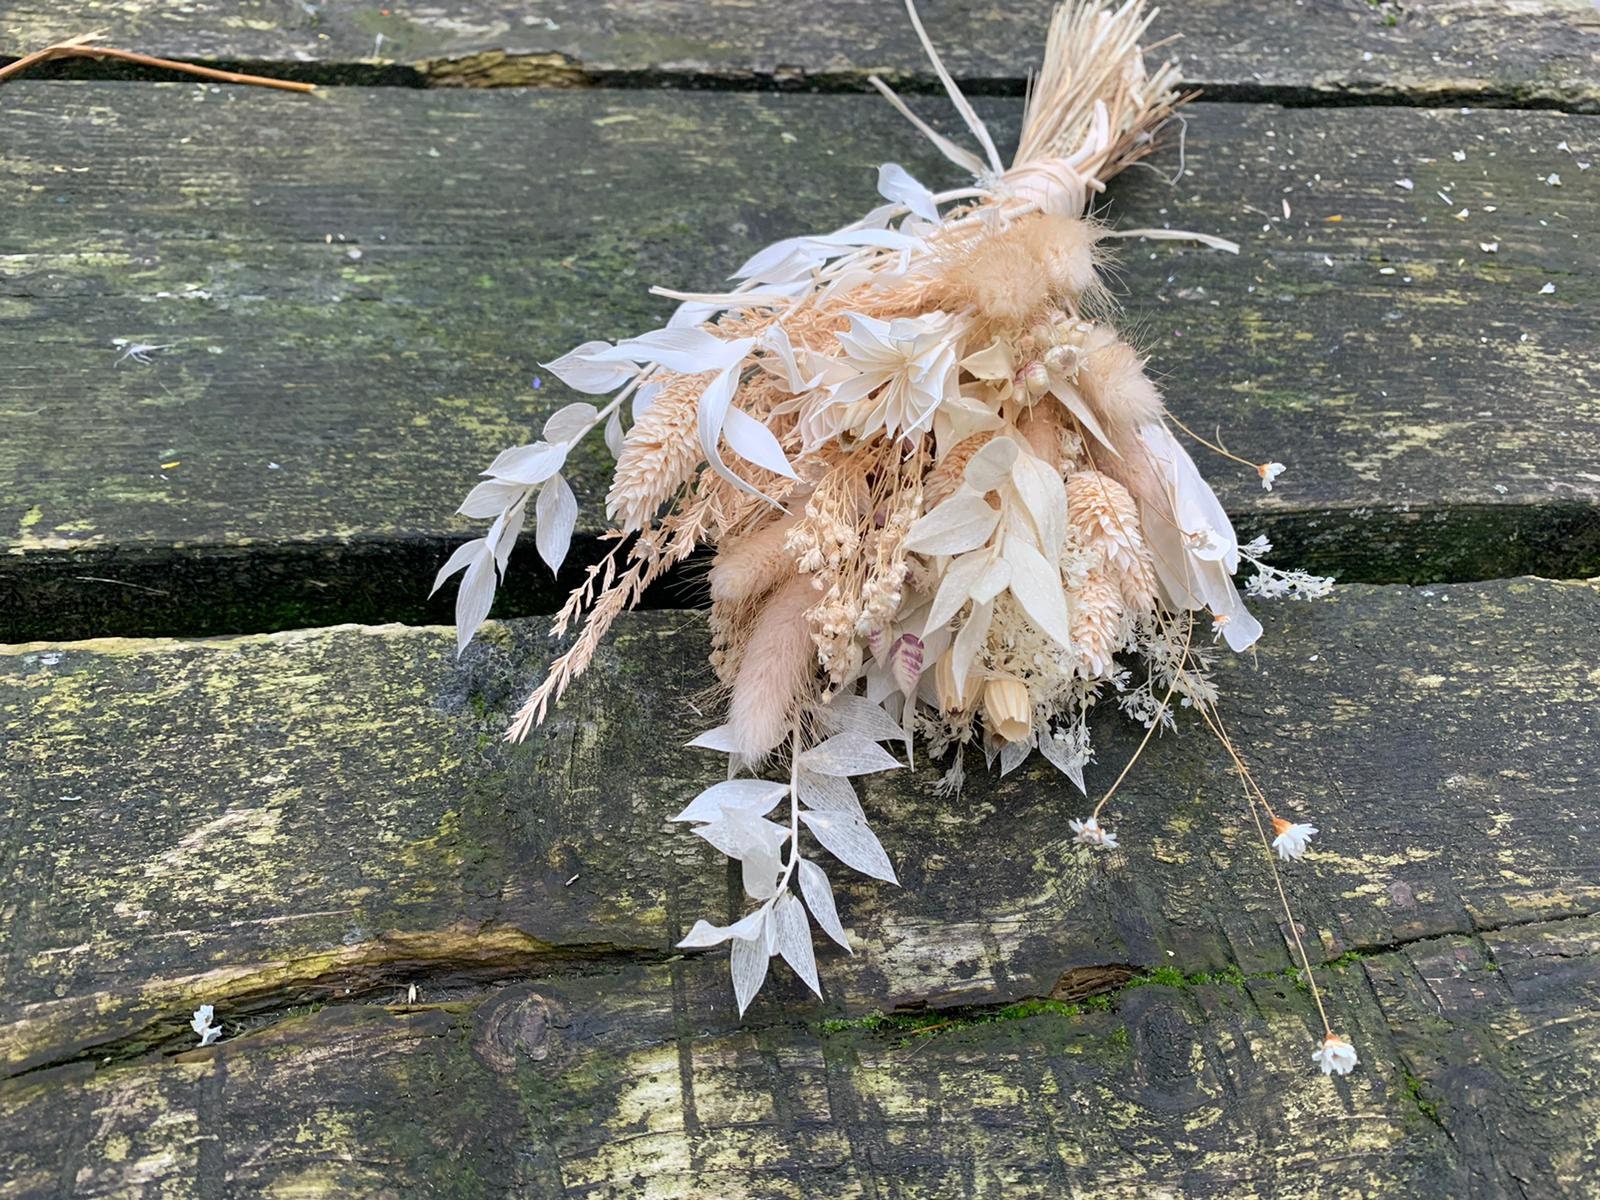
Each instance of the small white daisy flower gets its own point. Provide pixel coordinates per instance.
(1336, 1056)
(1291, 840)
(1269, 471)
(1089, 833)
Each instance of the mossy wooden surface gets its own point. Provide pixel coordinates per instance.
(297, 827)
(355, 309)
(1542, 52)
(1476, 1081)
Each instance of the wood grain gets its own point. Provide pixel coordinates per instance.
(1543, 53)
(296, 827)
(355, 311)
(1475, 1081)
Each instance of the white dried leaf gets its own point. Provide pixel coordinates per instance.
(458, 561)
(1013, 755)
(509, 527)
(849, 840)
(828, 793)
(955, 589)
(970, 639)
(818, 892)
(857, 714)
(994, 580)
(848, 754)
(1065, 755)
(750, 439)
(491, 498)
(737, 834)
(721, 739)
(1044, 496)
(689, 351)
(748, 963)
(792, 938)
(528, 464)
(712, 411)
(760, 868)
(555, 516)
(757, 797)
(570, 423)
(963, 522)
(475, 597)
(1037, 587)
(993, 362)
(644, 397)
(582, 371)
(896, 184)
(614, 437)
(706, 934)
(991, 465)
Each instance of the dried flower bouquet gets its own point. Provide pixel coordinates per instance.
(943, 494)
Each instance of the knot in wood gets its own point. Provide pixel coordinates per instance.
(514, 1027)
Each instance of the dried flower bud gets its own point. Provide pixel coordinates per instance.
(955, 695)
(1072, 332)
(1062, 361)
(1007, 709)
(1036, 378)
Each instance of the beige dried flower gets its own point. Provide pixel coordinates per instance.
(1107, 519)
(1096, 613)
(659, 455)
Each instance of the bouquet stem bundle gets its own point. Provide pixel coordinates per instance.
(944, 497)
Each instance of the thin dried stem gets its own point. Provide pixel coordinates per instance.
(78, 48)
(1255, 801)
(1154, 724)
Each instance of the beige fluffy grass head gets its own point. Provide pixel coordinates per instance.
(1011, 276)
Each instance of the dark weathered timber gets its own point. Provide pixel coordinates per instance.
(278, 820)
(357, 307)
(298, 827)
(1541, 54)
(1476, 1080)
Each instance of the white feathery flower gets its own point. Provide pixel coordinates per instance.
(200, 1022)
(903, 369)
(1269, 471)
(1089, 833)
(1256, 547)
(1291, 840)
(1336, 1056)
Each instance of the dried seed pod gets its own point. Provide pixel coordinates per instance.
(1007, 709)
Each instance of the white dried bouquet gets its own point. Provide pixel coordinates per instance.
(943, 495)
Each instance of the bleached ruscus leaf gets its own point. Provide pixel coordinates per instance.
(814, 886)
(554, 519)
(849, 840)
(848, 754)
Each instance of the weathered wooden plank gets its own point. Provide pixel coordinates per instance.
(325, 412)
(284, 819)
(1477, 1079)
(1426, 51)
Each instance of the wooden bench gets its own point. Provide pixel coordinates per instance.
(240, 764)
